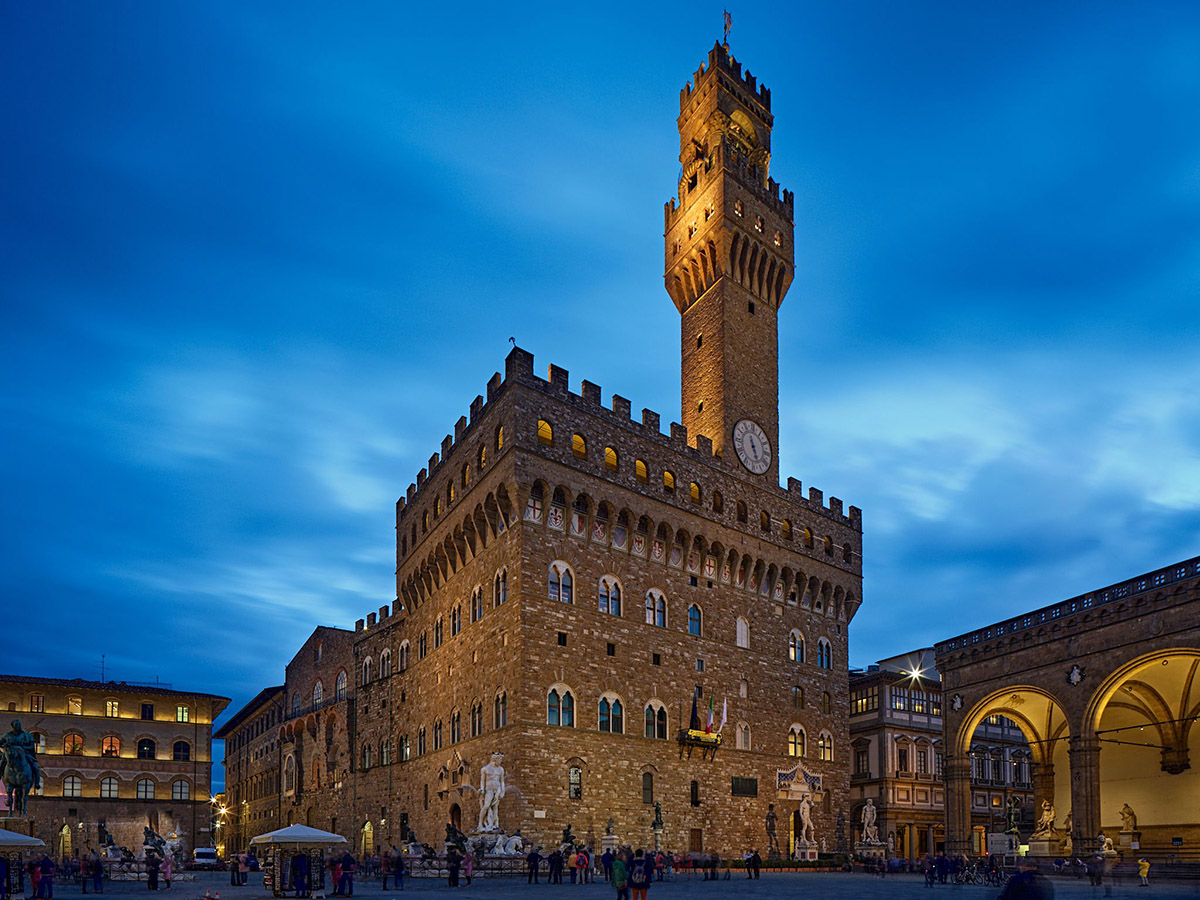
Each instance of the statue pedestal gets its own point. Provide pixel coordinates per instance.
(806, 850)
(609, 842)
(1050, 846)
(1129, 840)
(871, 849)
(658, 831)
(773, 855)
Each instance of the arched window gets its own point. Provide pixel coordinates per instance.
(477, 604)
(499, 438)
(181, 751)
(449, 493)
(764, 520)
(694, 492)
(455, 727)
(181, 789)
(824, 654)
(146, 749)
(421, 741)
(825, 747)
(385, 752)
(785, 528)
(366, 756)
(318, 693)
(647, 787)
(718, 502)
(500, 588)
(611, 715)
(73, 745)
(437, 735)
(385, 663)
(610, 459)
(501, 710)
(826, 702)
(295, 703)
(640, 471)
(466, 474)
(797, 697)
(545, 433)
(108, 788)
(110, 746)
(578, 446)
(561, 582)
(743, 633)
(796, 646)
(456, 619)
(694, 793)
(366, 670)
(743, 737)
(476, 719)
(72, 786)
(438, 632)
(145, 789)
(289, 774)
(560, 708)
(846, 553)
(339, 689)
(807, 536)
(741, 512)
(656, 609)
(668, 481)
(482, 458)
(656, 720)
(695, 620)
(610, 595)
(828, 541)
(796, 741)
(575, 783)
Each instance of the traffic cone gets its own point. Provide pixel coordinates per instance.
(208, 894)
(217, 896)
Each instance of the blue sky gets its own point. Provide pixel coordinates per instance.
(257, 258)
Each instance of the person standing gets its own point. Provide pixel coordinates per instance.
(299, 870)
(46, 883)
(346, 883)
(606, 864)
(234, 878)
(1027, 883)
(639, 875)
(243, 868)
(168, 870)
(1144, 871)
(581, 864)
(453, 863)
(620, 876)
(532, 859)
(554, 866)
(385, 866)
(152, 867)
(469, 867)
(97, 873)
(756, 861)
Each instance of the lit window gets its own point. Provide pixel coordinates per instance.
(785, 528)
(640, 471)
(796, 647)
(37, 703)
(183, 714)
(72, 786)
(545, 432)
(758, 224)
(73, 745)
(499, 438)
(145, 789)
(694, 492)
(181, 790)
(110, 746)
(561, 583)
(764, 521)
(111, 708)
(579, 446)
(778, 239)
(825, 747)
(796, 741)
(108, 788)
(668, 481)
(695, 620)
(656, 608)
(610, 459)
(482, 458)
(738, 208)
(146, 749)
(466, 475)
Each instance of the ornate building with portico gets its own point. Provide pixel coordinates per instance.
(1106, 689)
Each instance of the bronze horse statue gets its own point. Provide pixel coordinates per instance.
(18, 777)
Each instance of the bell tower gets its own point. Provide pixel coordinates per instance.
(729, 263)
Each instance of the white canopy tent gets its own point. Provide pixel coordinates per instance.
(298, 836)
(13, 840)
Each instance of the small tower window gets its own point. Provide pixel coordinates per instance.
(741, 512)
(738, 209)
(758, 224)
(778, 239)
(764, 521)
(694, 492)
(668, 481)
(640, 471)
(718, 502)
(699, 341)
(579, 446)
(707, 213)
(545, 432)
(610, 459)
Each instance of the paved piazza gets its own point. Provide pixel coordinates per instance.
(830, 885)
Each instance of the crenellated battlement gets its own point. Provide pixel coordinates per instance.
(518, 368)
(719, 59)
(725, 159)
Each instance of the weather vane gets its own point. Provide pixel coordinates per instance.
(728, 24)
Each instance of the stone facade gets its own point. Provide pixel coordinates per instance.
(1104, 686)
(115, 758)
(252, 770)
(897, 757)
(569, 578)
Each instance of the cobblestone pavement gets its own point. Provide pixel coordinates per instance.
(776, 886)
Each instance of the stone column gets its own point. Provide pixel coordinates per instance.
(1043, 786)
(957, 775)
(1084, 754)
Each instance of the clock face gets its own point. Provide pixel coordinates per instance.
(753, 448)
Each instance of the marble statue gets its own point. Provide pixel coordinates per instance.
(1045, 823)
(823, 847)
(807, 832)
(1128, 818)
(869, 828)
(772, 840)
(491, 789)
(515, 845)
(19, 769)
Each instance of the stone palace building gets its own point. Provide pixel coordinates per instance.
(571, 581)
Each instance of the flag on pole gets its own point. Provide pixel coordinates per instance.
(708, 726)
(724, 715)
(694, 724)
